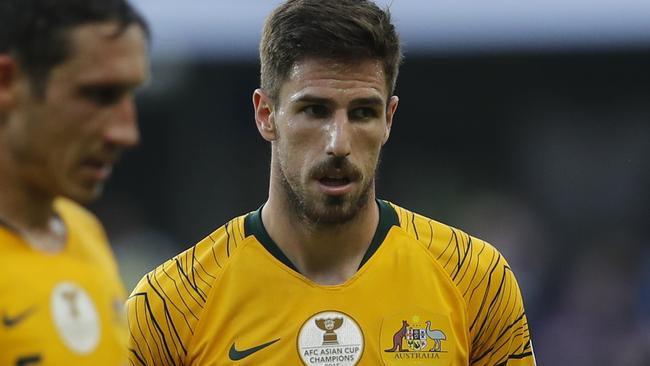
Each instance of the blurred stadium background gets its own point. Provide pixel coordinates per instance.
(524, 123)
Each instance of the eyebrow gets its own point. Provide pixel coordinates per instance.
(306, 98)
(370, 101)
(118, 84)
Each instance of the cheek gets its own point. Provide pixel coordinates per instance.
(369, 143)
(64, 149)
(292, 159)
(300, 146)
(30, 138)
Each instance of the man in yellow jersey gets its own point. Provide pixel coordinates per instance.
(324, 273)
(68, 71)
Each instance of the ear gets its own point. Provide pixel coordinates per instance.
(8, 70)
(264, 115)
(390, 113)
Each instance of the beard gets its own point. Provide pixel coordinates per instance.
(326, 210)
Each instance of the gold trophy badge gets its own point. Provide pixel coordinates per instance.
(329, 326)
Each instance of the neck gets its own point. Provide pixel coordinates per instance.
(28, 211)
(326, 254)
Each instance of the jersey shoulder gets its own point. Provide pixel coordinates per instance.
(73, 213)
(82, 226)
(494, 305)
(87, 239)
(165, 307)
(461, 255)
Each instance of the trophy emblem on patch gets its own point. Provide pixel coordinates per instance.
(330, 338)
(329, 325)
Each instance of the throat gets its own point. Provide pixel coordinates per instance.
(52, 240)
(325, 254)
(333, 276)
(328, 256)
(49, 239)
(30, 214)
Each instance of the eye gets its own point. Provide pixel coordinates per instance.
(103, 95)
(316, 111)
(363, 113)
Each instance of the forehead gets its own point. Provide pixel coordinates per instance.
(104, 52)
(336, 78)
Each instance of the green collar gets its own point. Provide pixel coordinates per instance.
(253, 225)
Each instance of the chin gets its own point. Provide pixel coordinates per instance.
(334, 210)
(85, 194)
(333, 218)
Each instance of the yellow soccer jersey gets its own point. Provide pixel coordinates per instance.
(65, 308)
(425, 294)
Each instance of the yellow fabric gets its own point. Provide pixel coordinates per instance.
(65, 308)
(429, 295)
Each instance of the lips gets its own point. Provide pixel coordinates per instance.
(97, 169)
(335, 187)
(334, 182)
(335, 176)
(337, 182)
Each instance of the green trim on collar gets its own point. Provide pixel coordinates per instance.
(253, 225)
(387, 219)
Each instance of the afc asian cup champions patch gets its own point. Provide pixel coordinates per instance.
(75, 317)
(330, 338)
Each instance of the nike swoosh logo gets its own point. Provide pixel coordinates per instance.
(12, 321)
(238, 355)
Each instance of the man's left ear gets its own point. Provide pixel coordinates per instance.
(264, 115)
(390, 113)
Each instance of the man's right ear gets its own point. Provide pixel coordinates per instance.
(8, 71)
(264, 115)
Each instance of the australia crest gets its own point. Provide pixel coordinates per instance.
(410, 339)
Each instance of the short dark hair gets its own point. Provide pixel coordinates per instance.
(346, 30)
(35, 32)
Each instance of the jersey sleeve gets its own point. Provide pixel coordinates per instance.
(164, 308)
(498, 326)
(159, 316)
(498, 323)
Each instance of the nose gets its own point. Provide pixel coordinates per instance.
(339, 143)
(122, 130)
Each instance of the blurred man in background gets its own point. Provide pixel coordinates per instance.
(68, 72)
(324, 273)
